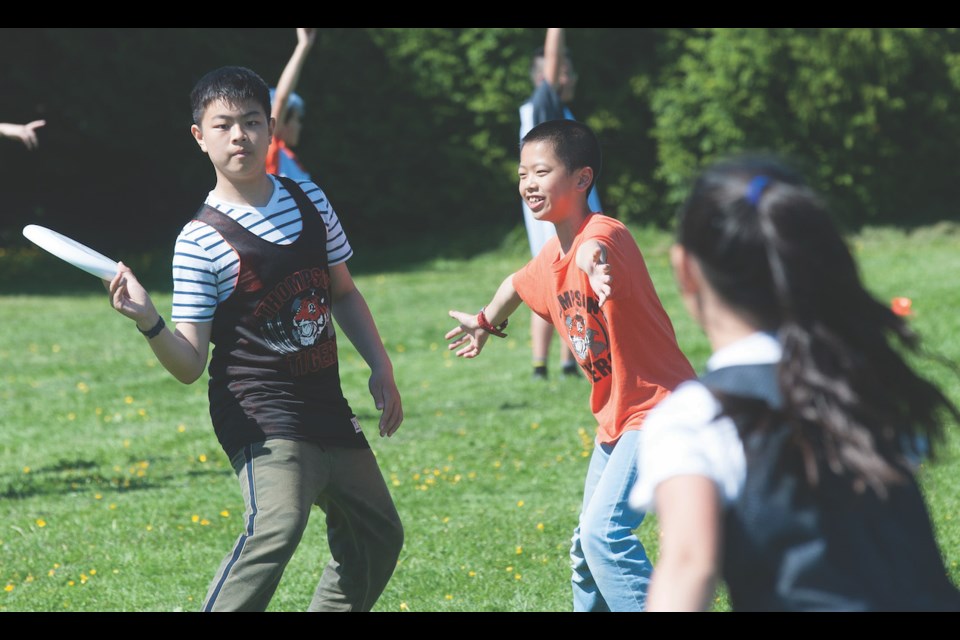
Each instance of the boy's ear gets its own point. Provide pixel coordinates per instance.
(271, 126)
(197, 133)
(585, 177)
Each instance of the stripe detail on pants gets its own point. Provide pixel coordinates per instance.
(242, 540)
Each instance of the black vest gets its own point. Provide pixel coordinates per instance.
(788, 547)
(274, 369)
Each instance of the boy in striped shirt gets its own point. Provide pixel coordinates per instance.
(260, 272)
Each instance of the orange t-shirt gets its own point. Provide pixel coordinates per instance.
(628, 348)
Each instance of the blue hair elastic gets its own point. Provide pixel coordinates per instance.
(755, 189)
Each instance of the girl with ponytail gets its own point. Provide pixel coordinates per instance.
(788, 468)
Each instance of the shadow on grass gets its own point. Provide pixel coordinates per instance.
(81, 476)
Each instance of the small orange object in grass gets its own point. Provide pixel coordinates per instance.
(901, 306)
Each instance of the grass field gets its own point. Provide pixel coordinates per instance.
(115, 495)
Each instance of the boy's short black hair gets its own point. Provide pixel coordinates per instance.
(232, 85)
(574, 144)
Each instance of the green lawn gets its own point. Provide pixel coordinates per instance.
(115, 495)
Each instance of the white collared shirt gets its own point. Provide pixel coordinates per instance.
(683, 436)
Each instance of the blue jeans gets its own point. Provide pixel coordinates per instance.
(611, 570)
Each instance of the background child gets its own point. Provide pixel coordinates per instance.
(554, 83)
(790, 463)
(591, 283)
(287, 112)
(260, 272)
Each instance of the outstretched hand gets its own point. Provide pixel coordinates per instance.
(25, 133)
(468, 336)
(598, 273)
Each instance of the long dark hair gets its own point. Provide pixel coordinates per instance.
(766, 243)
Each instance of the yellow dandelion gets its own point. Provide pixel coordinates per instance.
(71, 416)
(126, 443)
(416, 476)
(535, 425)
(472, 574)
(584, 454)
(56, 565)
(98, 411)
(141, 473)
(202, 457)
(51, 572)
(225, 513)
(82, 387)
(113, 506)
(436, 472)
(128, 400)
(430, 480)
(83, 578)
(448, 597)
(8, 588)
(457, 478)
(204, 522)
(181, 428)
(404, 607)
(28, 579)
(517, 576)
(93, 572)
(26, 469)
(55, 348)
(70, 583)
(472, 475)
(446, 520)
(539, 526)
(98, 496)
(141, 412)
(401, 348)
(194, 518)
(433, 346)
(149, 528)
(509, 569)
(519, 503)
(497, 464)
(519, 550)
(41, 522)
(395, 482)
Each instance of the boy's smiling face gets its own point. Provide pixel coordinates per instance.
(236, 137)
(547, 186)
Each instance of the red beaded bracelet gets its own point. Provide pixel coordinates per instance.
(489, 328)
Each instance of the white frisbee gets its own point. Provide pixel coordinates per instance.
(68, 249)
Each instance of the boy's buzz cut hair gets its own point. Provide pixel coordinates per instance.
(574, 144)
(233, 85)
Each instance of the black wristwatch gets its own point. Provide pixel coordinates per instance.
(154, 331)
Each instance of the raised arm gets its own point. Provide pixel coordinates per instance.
(554, 46)
(470, 336)
(353, 315)
(25, 133)
(287, 83)
(182, 351)
(591, 258)
(688, 510)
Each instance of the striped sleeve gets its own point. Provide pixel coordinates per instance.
(338, 247)
(205, 270)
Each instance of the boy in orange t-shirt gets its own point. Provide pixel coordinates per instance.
(591, 282)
